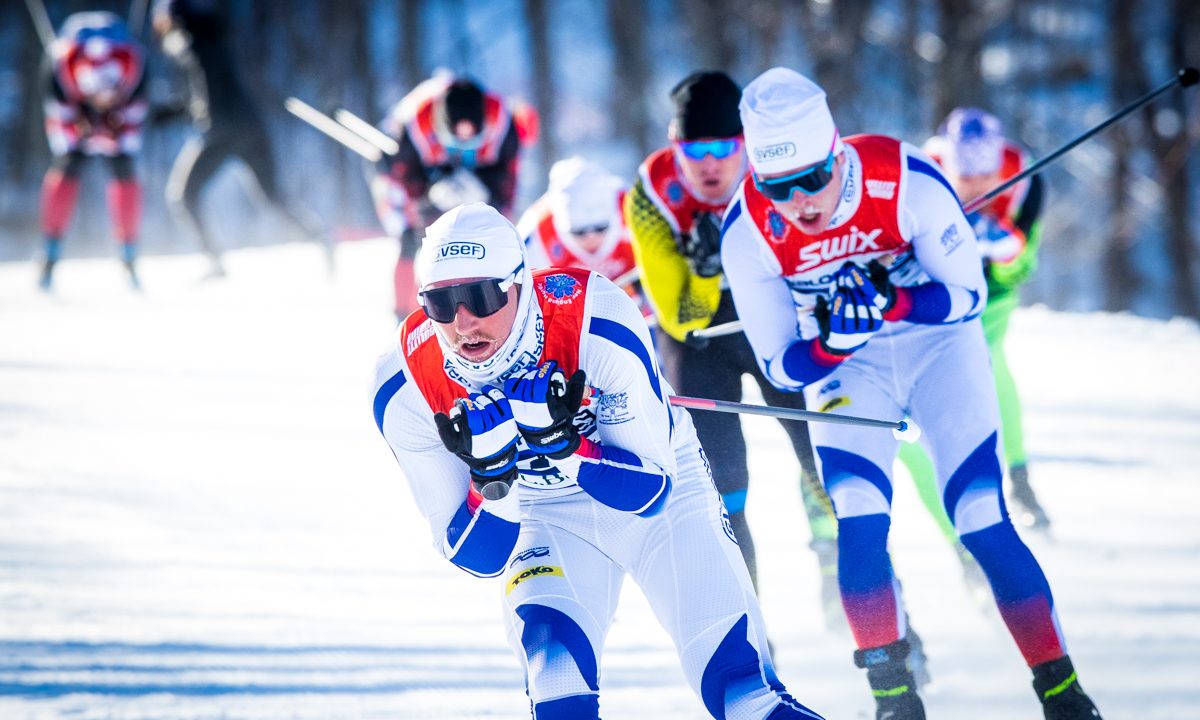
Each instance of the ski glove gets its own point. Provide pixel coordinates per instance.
(702, 246)
(853, 312)
(544, 403)
(482, 432)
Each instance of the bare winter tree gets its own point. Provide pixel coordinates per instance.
(411, 68)
(712, 29)
(537, 13)
(961, 24)
(1121, 280)
(833, 32)
(631, 66)
(1172, 143)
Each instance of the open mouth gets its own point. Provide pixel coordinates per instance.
(474, 348)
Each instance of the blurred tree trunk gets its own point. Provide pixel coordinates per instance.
(833, 32)
(712, 26)
(1121, 281)
(631, 73)
(537, 14)
(411, 68)
(1167, 120)
(766, 25)
(959, 75)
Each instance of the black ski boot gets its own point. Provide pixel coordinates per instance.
(1029, 510)
(1058, 689)
(892, 681)
(53, 251)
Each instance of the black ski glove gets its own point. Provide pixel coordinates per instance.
(702, 246)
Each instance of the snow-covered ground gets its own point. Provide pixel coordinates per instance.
(198, 519)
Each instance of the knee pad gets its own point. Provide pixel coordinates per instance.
(855, 485)
(734, 670)
(972, 496)
(560, 661)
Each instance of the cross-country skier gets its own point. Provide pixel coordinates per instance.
(674, 215)
(528, 415)
(860, 283)
(195, 34)
(459, 143)
(976, 157)
(94, 107)
(579, 223)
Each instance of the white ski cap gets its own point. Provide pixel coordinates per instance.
(786, 122)
(470, 241)
(974, 142)
(582, 194)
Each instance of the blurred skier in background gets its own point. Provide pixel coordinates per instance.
(459, 143)
(195, 34)
(94, 107)
(579, 223)
(976, 156)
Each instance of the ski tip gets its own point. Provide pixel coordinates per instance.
(1189, 76)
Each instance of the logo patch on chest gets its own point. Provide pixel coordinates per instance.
(828, 249)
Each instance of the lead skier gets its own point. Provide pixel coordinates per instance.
(481, 398)
(859, 282)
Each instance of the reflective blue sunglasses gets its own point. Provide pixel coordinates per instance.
(809, 181)
(719, 149)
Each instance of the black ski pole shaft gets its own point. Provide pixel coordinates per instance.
(1186, 77)
(695, 403)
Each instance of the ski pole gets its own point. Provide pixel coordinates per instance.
(730, 328)
(1186, 77)
(332, 129)
(904, 429)
(367, 131)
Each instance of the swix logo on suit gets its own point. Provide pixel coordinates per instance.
(870, 230)
(855, 242)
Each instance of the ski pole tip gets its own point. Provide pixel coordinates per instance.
(1189, 76)
(907, 431)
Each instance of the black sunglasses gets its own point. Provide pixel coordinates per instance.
(481, 298)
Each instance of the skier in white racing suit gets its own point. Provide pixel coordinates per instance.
(858, 281)
(528, 415)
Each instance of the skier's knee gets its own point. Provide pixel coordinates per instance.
(560, 659)
(855, 485)
(972, 495)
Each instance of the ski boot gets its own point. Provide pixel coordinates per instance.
(1029, 511)
(129, 259)
(1058, 689)
(892, 681)
(53, 250)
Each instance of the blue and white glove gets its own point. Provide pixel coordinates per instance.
(852, 313)
(544, 403)
(482, 431)
(997, 243)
